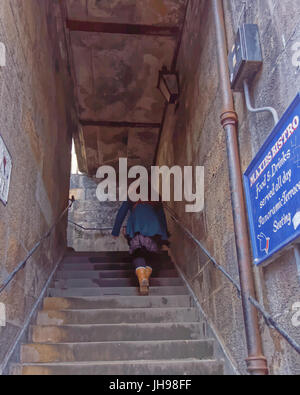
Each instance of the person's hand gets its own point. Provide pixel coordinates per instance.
(124, 231)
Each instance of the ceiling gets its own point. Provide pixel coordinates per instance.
(118, 48)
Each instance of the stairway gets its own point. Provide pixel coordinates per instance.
(94, 322)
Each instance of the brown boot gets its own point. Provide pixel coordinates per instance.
(143, 281)
(148, 272)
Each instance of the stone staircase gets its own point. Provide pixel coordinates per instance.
(94, 322)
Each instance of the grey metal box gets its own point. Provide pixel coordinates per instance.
(245, 58)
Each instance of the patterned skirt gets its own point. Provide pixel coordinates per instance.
(140, 242)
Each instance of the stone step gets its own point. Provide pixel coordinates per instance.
(117, 351)
(116, 316)
(94, 274)
(180, 367)
(117, 291)
(117, 302)
(113, 282)
(112, 256)
(96, 266)
(118, 332)
(95, 322)
(97, 258)
(111, 266)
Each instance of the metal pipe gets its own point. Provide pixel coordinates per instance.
(262, 109)
(256, 362)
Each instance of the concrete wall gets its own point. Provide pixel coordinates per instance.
(192, 135)
(88, 212)
(36, 118)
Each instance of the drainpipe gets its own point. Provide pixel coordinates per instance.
(256, 362)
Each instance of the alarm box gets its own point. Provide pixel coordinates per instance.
(245, 58)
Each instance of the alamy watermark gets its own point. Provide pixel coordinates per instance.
(296, 316)
(296, 55)
(2, 315)
(188, 184)
(2, 55)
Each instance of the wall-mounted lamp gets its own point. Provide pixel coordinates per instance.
(168, 84)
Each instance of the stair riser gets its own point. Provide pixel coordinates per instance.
(176, 368)
(126, 291)
(116, 316)
(116, 282)
(93, 274)
(105, 333)
(110, 266)
(86, 259)
(46, 353)
(145, 302)
(113, 257)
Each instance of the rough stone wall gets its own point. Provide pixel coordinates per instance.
(36, 118)
(88, 212)
(192, 135)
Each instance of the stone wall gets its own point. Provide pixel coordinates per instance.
(89, 213)
(192, 135)
(36, 117)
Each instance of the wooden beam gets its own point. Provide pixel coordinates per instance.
(112, 124)
(122, 28)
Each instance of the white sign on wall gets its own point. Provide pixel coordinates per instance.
(2, 55)
(5, 171)
(2, 315)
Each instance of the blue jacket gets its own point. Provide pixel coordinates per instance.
(144, 219)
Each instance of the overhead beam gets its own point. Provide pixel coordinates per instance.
(122, 28)
(112, 124)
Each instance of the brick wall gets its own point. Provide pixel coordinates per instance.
(36, 118)
(192, 135)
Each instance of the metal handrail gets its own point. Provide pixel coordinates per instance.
(267, 317)
(89, 229)
(271, 323)
(22, 264)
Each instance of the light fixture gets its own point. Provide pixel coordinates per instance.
(168, 84)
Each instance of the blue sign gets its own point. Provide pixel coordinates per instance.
(272, 185)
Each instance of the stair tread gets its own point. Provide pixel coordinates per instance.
(125, 315)
(133, 342)
(116, 351)
(109, 297)
(113, 273)
(115, 332)
(114, 283)
(109, 266)
(149, 324)
(116, 278)
(129, 310)
(118, 291)
(153, 287)
(117, 301)
(107, 289)
(148, 361)
(176, 280)
(141, 367)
